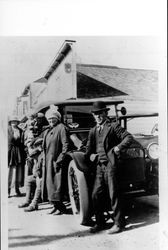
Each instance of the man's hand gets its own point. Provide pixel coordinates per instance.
(93, 157)
(116, 150)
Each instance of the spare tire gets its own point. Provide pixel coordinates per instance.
(78, 193)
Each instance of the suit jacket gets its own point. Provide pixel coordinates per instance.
(114, 135)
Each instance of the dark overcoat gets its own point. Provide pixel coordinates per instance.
(16, 153)
(55, 146)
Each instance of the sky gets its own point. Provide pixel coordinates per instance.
(119, 33)
(26, 59)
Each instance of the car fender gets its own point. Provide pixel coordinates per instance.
(80, 161)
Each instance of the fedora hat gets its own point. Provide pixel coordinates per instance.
(99, 106)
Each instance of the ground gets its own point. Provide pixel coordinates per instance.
(40, 231)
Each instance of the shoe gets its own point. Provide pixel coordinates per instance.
(25, 204)
(88, 223)
(53, 210)
(18, 193)
(115, 229)
(58, 212)
(96, 229)
(62, 208)
(31, 208)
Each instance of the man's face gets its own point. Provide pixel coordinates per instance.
(14, 123)
(53, 121)
(39, 121)
(100, 117)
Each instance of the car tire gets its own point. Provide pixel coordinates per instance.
(78, 193)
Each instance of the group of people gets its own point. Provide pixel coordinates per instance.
(46, 152)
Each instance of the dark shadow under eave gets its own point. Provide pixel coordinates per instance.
(86, 87)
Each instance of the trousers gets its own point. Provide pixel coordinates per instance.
(106, 186)
(13, 178)
(33, 185)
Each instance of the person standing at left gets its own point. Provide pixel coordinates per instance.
(55, 147)
(16, 156)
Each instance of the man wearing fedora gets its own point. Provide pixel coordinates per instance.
(105, 141)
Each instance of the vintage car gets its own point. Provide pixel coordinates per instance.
(137, 165)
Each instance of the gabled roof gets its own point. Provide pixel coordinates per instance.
(132, 83)
(27, 88)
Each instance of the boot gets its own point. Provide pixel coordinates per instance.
(24, 204)
(18, 193)
(31, 208)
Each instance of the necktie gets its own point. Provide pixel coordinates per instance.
(100, 129)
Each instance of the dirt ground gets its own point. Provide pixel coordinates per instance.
(40, 231)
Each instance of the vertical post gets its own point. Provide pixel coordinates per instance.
(116, 111)
(74, 73)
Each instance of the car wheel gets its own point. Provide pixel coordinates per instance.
(78, 193)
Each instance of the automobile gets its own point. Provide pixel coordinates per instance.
(137, 165)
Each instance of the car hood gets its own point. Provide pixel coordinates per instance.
(145, 140)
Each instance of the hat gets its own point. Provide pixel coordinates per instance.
(99, 106)
(14, 118)
(40, 115)
(53, 113)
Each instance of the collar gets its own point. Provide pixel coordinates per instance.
(102, 125)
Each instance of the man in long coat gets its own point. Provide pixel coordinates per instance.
(105, 142)
(55, 146)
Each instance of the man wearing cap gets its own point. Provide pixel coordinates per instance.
(36, 125)
(34, 163)
(105, 142)
(55, 146)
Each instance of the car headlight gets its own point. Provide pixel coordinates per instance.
(152, 151)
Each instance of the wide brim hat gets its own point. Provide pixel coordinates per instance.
(14, 118)
(99, 106)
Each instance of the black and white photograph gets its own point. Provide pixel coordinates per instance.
(84, 157)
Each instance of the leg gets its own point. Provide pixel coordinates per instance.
(10, 175)
(17, 178)
(37, 194)
(119, 220)
(98, 200)
(30, 184)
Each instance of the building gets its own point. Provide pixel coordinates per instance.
(66, 79)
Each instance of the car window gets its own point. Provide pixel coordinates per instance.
(81, 116)
(141, 125)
